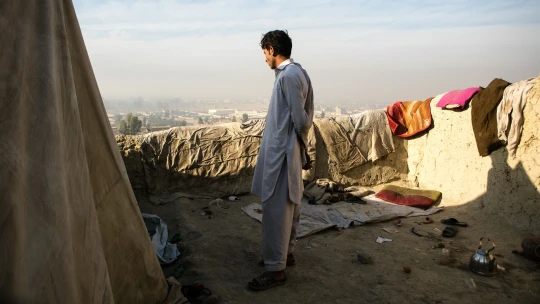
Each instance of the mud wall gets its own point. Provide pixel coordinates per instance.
(447, 159)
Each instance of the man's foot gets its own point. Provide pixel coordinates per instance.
(268, 280)
(290, 261)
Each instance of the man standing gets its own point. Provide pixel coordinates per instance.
(278, 173)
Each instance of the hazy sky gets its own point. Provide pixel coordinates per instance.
(364, 51)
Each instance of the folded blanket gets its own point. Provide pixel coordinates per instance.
(513, 102)
(484, 116)
(408, 118)
(408, 197)
(354, 140)
(457, 99)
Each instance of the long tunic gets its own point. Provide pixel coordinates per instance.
(289, 118)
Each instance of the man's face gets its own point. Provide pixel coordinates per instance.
(270, 59)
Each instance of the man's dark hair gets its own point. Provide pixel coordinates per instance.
(279, 40)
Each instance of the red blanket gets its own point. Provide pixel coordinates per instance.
(408, 197)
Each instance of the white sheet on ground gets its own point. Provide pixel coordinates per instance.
(315, 218)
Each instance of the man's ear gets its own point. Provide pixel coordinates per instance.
(271, 51)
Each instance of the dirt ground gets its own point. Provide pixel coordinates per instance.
(222, 252)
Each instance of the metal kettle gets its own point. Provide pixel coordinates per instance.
(482, 262)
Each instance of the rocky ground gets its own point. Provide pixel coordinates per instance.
(221, 251)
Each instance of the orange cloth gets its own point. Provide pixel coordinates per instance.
(408, 118)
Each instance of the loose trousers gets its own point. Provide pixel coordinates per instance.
(280, 224)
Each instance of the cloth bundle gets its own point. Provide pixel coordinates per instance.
(325, 191)
(159, 234)
(457, 99)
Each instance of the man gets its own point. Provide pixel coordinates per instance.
(278, 173)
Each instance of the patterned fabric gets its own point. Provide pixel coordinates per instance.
(409, 118)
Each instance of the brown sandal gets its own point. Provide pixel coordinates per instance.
(265, 281)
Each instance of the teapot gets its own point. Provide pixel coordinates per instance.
(482, 262)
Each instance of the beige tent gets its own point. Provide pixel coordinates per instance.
(70, 227)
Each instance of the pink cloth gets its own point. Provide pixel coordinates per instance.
(457, 99)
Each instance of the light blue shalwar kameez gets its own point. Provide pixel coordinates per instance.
(278, 173)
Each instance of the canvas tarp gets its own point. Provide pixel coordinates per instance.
(311, 147)
(71, 230)
(213, 161)
(219, 160)
(354, 140)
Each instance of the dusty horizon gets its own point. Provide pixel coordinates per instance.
(358, 52)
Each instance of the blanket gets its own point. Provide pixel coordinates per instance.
(354, 140)
(457, 99)
(409, 118)
(513, 102)
(484, 116)
(408, 197)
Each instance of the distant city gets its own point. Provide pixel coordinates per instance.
(139, 116)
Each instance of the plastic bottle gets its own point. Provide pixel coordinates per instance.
(445, 258)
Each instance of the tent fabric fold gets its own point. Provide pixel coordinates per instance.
(71, 228)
